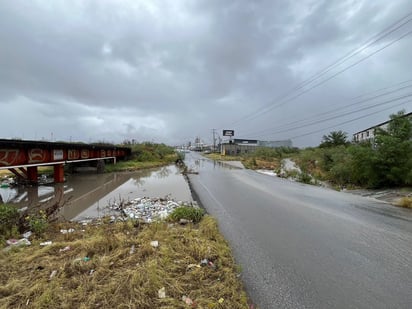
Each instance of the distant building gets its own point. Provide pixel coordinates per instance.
(275, 144)
(369, 133)
(242, 146)
(238, 146)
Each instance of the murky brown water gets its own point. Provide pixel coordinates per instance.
(88, 195)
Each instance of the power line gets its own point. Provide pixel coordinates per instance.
(342, 115)
(332, 76)
(349, 121)
(356, 51)
(325, 70)
(381, 89)
(332, 111)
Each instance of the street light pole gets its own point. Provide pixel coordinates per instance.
(214, 140)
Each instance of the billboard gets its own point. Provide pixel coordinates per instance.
(228, 132)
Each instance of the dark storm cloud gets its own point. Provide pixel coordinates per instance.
(168, 70)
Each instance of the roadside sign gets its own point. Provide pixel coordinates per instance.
(228, 132)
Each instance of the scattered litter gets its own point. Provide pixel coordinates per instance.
(91, 272)
(154, 243)
(149, 209)
(206, 262)
(187, 300)
(190, 266)
(67, 231)
(212, 265)
(65, 249)
(23, 209)
(46, 243)
(132, 250)
(27, 234)
(53, 273)
(162, 292)
(184, 221)
(221, 300)
(20, 242)
(86, 259)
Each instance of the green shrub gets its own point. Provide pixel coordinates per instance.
(149, 152)
(189, 213)
(38, 222)
(180, 155)
(305, 178)
(9, 219)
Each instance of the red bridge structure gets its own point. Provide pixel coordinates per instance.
(23, 158)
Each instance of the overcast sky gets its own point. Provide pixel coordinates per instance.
(168, 71)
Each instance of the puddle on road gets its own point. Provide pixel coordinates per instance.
(88, 195)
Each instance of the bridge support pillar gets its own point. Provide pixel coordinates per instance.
(33, 195)
(32, 174)
(100, 166)
(59, 173)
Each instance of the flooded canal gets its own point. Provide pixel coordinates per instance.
(88, 195)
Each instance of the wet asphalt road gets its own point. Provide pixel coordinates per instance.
(301, 246)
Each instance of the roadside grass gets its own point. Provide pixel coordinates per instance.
(262, 163)
(219, 157)
(249, 161)
(114, 265)
(41, 170)
(134, 164)
(405, 202)
(5, 173)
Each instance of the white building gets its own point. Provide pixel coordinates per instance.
(369, 133)
(243, 146)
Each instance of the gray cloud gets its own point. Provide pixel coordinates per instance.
(171, 70)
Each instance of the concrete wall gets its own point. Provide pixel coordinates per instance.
(235, 149)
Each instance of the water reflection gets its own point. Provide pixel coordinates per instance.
(85, 195)
(166, 181)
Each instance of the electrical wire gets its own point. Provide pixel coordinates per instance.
(334, 111)
(370, 42)
(330, 77)
(349, 121)
(342, 115)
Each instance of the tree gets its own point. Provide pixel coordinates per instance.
(394, 150)
(333, 139)
(364, 166)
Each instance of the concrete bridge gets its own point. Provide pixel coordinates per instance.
(23, 157)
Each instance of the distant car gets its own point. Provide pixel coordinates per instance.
(207, 152)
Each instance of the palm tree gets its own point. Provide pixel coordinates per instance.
(334, 138)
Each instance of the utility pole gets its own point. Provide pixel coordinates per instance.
(214, 139)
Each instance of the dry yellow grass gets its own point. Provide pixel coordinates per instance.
(116, 278)
(405, 202)
(219, 157)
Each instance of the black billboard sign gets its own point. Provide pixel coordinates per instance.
(228, 132)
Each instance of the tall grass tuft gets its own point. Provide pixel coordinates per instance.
(193, 214)
(405, 202)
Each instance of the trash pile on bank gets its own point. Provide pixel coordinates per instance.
(149, 209)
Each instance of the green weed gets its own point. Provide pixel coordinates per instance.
(189, 213)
